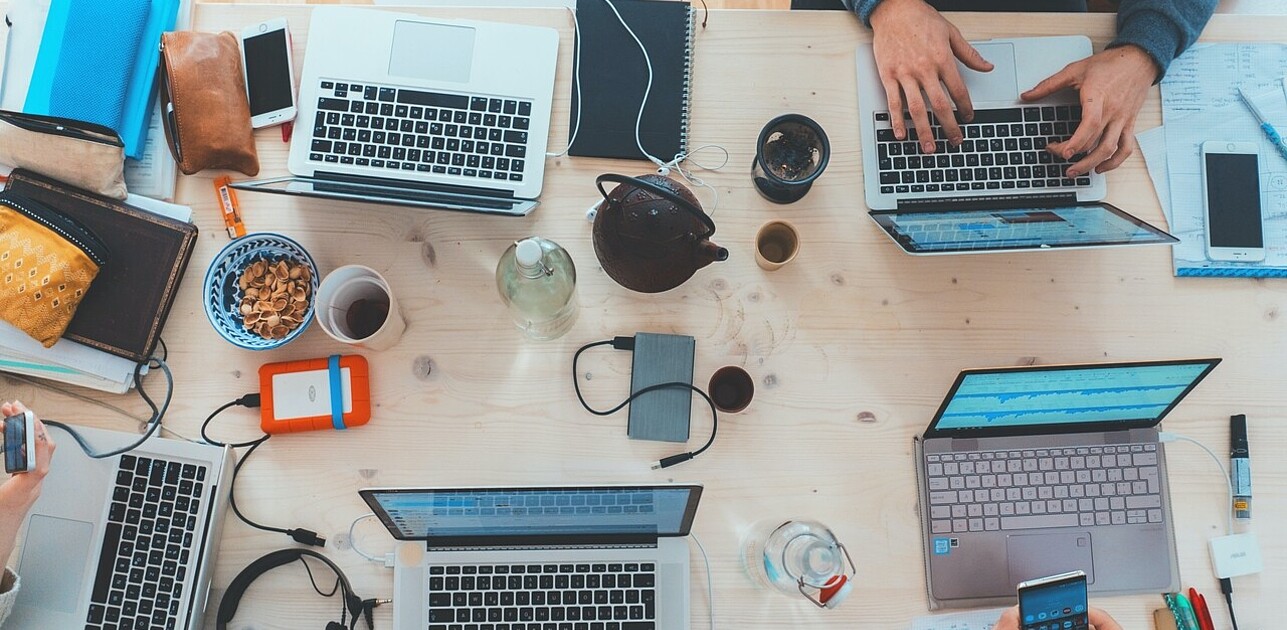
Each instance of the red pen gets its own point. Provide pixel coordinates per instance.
(1200, 608)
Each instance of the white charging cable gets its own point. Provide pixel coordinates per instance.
(710, 589)
(387, 560)
(576, 78)
(1166, 436)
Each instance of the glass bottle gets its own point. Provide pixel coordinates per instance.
(797, 557)
(537, 281)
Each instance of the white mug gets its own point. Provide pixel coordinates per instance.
(348, 286)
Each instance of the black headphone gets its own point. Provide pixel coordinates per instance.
(353, 604)
(660, 191)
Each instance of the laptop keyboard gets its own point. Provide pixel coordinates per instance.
(1042, 488)
(147, 545)
(1004, 151)
(424, 132)
(615, 596)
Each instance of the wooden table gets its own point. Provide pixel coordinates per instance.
(852, 346)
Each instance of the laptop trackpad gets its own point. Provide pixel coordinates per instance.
(1039, 555)
(54, 557)
(432, 52)
(1001, 83)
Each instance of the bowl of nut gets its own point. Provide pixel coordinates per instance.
(260, 290)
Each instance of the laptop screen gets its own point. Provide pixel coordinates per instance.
(1088, 397)
(954, 231)
(489, 513)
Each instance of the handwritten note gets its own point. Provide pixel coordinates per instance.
(969, 620)
(1208, 76)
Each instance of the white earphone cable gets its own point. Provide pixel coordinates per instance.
(576, 78)
(710, 588)
(1167, 436)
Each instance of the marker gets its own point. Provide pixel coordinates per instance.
(1240, 457)
(1199, 602)
(1269, 130)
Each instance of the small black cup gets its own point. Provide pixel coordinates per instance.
(792, 151)
(731, 389)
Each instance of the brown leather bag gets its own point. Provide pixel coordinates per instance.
(203, 100)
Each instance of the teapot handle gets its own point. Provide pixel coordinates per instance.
(660, 192)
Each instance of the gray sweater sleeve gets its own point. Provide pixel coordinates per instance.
(8, 593)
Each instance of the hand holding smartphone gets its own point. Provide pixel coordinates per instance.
(1058, 602)
(20, 443)
(1231, 200)
(270, 76)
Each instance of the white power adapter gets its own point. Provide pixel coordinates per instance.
(1236, 555)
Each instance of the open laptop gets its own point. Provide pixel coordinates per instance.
(1032, 471)
(400, 109)
(1000, 190)
(123, 542)
(602, 556)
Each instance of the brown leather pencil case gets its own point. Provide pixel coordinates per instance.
(203, 100)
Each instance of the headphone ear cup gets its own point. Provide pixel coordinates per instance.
(335, 625)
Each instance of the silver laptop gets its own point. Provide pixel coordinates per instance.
(592, 556)
(1031, 471)
(123, 542)
(1000, 190)
(400, 109)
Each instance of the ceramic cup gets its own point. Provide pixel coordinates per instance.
(731, 389)
(776, 244)
(356, 306)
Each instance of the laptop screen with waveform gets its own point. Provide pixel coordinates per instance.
(1136, 393)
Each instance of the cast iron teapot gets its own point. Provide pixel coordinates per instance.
(651, 234)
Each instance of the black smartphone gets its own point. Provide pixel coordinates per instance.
(20, 443)
(1057, 602)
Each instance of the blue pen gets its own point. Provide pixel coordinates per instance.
(1269, 130)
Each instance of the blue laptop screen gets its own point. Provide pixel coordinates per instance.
(419, 514)
(1068, 395)
(1023, 228)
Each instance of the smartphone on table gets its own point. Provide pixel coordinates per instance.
(1232, 206)
(1057, 602)
(269, 70)
(20, 443)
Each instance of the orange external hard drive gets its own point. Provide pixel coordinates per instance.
(316, 394)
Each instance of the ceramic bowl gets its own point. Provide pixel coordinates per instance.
(223, 295)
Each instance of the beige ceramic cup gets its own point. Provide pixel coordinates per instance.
(776, 244)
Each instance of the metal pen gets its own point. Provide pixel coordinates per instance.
(1240, 458)
(1265, 126)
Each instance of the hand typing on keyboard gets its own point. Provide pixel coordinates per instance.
(915, 51)
(1099, 620)
(1112, 86)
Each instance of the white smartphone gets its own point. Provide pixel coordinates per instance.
(1235, 229)
(1058, 602)
(20, 443)
(270, 72)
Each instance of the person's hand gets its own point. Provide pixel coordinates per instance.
(19, 492)
(916, 51)
(1099, 620)
(1112, 85)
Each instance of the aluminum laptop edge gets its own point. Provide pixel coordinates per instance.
(478, 526)
(1060, 416)
(64, 535)
(417, 63)
(1055, 215)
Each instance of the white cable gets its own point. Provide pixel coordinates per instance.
(576, 78)
(1166, 436)
(710, 589)
(353, 541)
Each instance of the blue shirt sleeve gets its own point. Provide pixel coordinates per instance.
(863, 8)
(1162, 28)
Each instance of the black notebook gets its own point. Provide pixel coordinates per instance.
(613, 78)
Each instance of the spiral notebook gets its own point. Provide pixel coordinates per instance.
(613, 77)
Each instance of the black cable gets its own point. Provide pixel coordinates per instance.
(628, 343)
(250, 401)
(1226, 587)
(312, 579)
(154, 422)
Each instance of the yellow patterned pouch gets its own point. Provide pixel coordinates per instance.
(47, 262)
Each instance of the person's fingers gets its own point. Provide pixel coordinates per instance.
(1125, 147)
(1099, 620)
(894, 94)
(1108, 144)
(45, 446)
(960, 95)
(920, 117)
(7, 409)
(1088, 131)
(946, 116)
(18, 407)
(968, 54)
(1063, 79)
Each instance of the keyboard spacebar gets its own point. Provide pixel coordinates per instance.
(1038, 521)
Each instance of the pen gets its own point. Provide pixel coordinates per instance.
(1200, 609)
(1185, 618)
(1269, 130)
(1240, 458)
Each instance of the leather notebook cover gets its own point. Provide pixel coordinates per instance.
(614, 76)
(127, 304)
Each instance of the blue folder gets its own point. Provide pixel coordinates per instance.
(97, 62)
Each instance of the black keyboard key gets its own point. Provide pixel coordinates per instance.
(106, 558)
(983, 116)
(525, 109)
(332, 104)
(515, 150)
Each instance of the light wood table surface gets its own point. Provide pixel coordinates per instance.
(852, 346)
